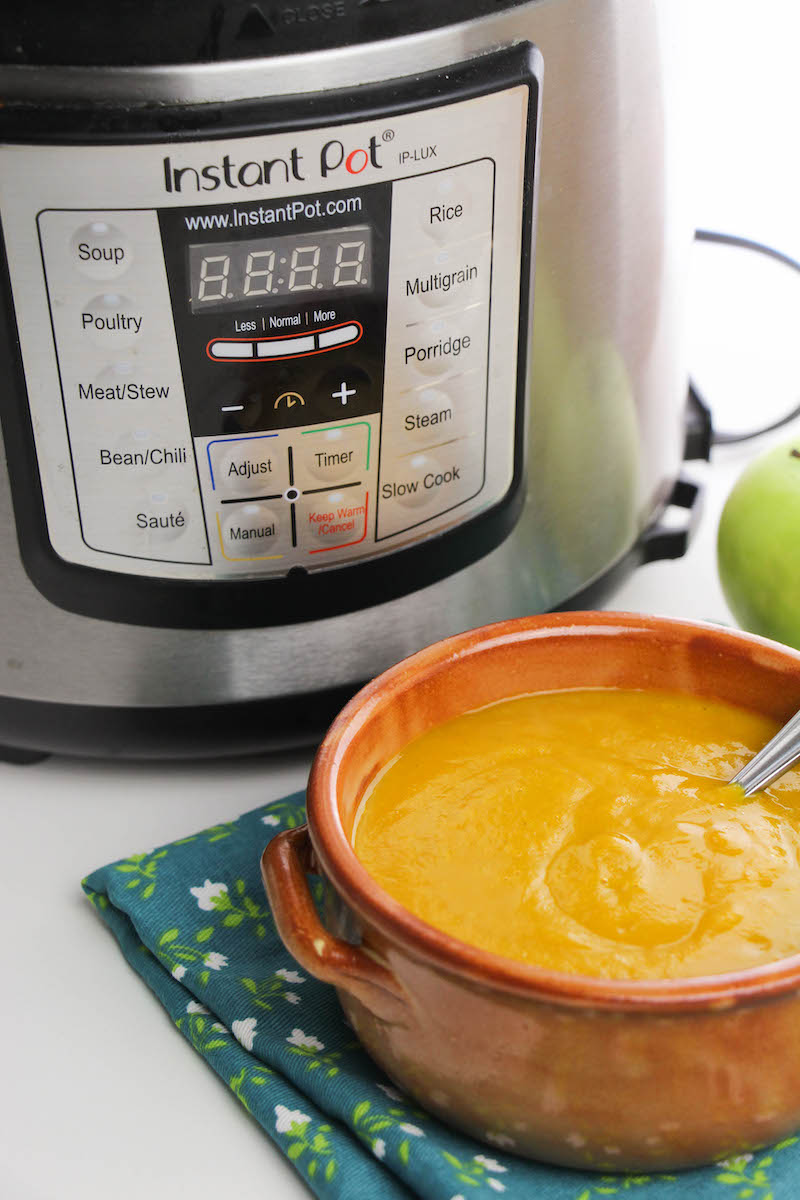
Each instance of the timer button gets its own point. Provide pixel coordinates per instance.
(111, 320)
(101, 251)
(336, 455)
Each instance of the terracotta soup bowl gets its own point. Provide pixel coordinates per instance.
(586, 1072)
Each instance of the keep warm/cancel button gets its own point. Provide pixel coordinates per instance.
(335, 519)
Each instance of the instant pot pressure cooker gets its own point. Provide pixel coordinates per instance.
(276, 411)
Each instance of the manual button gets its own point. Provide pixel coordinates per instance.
(250, 531)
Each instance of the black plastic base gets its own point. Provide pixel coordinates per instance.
(32, 729)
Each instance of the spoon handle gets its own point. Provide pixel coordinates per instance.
(776, 757)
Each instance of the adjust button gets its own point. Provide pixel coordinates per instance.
(247, 466)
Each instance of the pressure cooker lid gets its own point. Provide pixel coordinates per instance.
(132, 33)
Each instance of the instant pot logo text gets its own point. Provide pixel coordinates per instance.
(335, 157)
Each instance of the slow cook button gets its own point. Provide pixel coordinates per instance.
(335, 455)
(428, 481)
(334, 519)
(247, 466)
(101, 251)
(111, 320)
(250, 531)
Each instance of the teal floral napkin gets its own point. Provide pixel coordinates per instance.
(192, 919)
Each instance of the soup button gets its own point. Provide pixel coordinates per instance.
(101, 251)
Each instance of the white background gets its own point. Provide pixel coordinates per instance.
(100, 1096)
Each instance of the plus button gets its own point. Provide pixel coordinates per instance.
(343, 393)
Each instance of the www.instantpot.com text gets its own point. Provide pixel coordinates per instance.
(234, 218)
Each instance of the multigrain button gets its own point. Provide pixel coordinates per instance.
(250, 531)
(247, 466)
(101, 251)
(448, 277)
(334, 519)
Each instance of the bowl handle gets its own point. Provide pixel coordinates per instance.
(284, 865)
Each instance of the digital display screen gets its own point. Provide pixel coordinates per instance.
(264, 271)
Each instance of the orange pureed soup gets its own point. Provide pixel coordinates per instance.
(593, 832)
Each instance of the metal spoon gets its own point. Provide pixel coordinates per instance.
(772, 760)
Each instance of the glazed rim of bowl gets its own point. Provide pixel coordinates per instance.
(433, 946)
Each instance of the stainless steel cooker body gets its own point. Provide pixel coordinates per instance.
(604, 427)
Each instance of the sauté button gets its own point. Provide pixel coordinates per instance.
(163, 517)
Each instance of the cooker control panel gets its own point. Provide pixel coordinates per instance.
(268, 353)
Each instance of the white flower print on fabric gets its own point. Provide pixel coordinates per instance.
(496, 1185)
(218, 1027)
(215, 960)
(393, 1094)
(731, 1163)
(195, 1007)
(415, 1131)
(379, 1148)
(292, 997)
(491, 1164)
(288, 1117)
(298, 1038)
(271, 820)
(207, 894)
(245, 1031)
(290, 976)
(502, 1140)
(178, 971)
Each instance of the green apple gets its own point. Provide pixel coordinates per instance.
(758, 546)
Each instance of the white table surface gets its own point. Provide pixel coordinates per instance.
(100, 1096)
